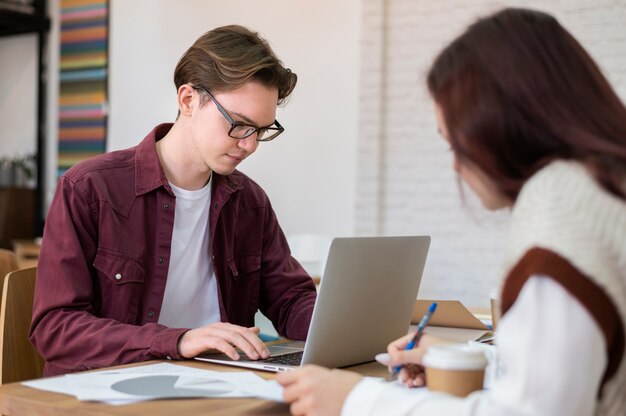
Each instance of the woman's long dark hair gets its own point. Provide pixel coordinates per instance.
(517, 91)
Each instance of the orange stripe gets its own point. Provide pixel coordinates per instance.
(69, 159)
(78, 99)
(93, 33)
(81, 133)
(80, 3)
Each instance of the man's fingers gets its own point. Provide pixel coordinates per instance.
(223, 337)
(254, 329)
(253, 339)
(242, 342)
(243, 338)
(219, 338)
(248, 341)
(223, 346)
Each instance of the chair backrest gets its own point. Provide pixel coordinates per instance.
(18, 358)
(8, 262)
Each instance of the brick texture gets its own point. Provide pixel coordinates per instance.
(405, 184)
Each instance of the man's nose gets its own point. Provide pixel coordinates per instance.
(249, 144)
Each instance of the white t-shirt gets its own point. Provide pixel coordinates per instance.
(552, 356)
(190, 299)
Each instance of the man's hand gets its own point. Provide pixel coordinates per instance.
(223, 337)
(317, 391)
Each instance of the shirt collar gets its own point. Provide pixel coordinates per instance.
(149, 173)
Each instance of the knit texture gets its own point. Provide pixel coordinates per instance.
(563, 210)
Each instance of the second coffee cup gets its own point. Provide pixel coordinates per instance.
(455, 369)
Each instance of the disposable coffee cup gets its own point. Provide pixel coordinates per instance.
(495, 308)
(455, 369)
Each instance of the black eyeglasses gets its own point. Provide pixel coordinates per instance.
(239, 130)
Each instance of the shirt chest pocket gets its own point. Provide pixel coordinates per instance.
(118, 286)
(245, 267)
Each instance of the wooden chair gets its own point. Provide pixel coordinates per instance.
(8, 262)
(18, 358)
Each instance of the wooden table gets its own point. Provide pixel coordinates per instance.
(17, 399)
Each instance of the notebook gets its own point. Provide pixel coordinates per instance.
(365, 301)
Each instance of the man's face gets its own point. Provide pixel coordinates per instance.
(253, 104)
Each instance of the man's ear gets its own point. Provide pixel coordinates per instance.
(185, 98)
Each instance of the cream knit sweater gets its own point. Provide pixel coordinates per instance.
(565, 225)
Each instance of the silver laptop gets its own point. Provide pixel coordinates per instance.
(365, 301)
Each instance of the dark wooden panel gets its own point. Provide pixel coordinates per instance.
(17, 214)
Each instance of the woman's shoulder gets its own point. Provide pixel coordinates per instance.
(559, 178)
(563, 208)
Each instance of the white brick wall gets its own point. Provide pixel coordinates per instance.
(405, 184)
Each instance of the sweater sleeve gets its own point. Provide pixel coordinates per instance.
(552, 357)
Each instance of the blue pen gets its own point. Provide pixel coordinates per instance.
(418, 334)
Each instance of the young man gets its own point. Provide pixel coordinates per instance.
(165, 250)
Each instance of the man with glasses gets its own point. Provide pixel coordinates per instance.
(165, 250)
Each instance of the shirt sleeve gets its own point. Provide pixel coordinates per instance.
(287, 291)
(552, 357)
(65, 327)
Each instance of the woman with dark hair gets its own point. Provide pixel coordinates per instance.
(534, 126)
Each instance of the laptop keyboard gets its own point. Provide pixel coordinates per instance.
(292, 358)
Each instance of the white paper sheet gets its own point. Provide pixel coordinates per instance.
(157, 381)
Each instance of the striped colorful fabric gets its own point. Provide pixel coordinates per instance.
(83, 81)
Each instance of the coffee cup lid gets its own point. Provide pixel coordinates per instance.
(454, 357)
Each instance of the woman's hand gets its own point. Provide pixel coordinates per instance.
(412, 372)
(317, 391)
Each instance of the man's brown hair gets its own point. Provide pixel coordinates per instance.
(227, 57)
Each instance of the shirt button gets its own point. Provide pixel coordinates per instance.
(166, 205)
(161, 259)
(118, 276)
(150, 314)
(215, 206)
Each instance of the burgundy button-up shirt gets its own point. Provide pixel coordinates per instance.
(105, 256)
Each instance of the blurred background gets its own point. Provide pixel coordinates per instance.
(360, 155)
